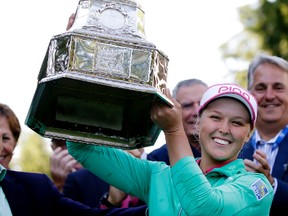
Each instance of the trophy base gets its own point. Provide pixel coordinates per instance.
(94, 111)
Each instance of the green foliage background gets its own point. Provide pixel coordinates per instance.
(265, 29)
(32, 154)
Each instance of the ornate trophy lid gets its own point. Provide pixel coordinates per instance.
(120, 19)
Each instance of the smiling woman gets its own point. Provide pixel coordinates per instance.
(218, 181)
(225, 128)
(10, 133)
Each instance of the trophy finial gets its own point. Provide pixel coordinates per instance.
(121, 18)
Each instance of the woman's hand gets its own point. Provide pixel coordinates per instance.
(169, 119)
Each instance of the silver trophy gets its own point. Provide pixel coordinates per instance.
(98, 80)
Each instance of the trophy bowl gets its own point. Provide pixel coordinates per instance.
(98, 80)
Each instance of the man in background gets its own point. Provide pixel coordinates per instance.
(267, 150)
(188, 93)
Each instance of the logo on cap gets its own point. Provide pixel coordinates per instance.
(229, 88)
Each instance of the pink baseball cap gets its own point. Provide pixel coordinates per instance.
(232, 91)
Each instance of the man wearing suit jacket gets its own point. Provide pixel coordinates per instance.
(33, 194)
(267, 150)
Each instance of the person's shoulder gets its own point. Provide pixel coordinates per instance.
(26, 174)
(254, 180)
(28, 178)
(82, 171)
(82, 175)
(159, 154)
(162, 148)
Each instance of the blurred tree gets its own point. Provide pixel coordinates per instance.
(32, 154)
(265, 27)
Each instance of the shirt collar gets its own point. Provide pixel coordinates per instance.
(198, 160)
(258, 138)
(2, 172)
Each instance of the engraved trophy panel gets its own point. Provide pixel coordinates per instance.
(98, 79)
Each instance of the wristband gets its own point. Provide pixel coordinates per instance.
(104, 201)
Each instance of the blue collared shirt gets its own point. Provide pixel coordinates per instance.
(4, 205)
(270, 148)
(267, 148)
